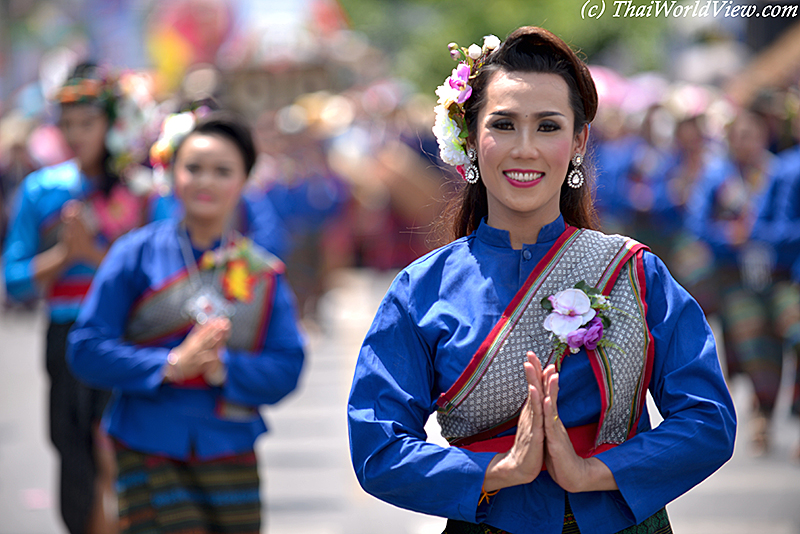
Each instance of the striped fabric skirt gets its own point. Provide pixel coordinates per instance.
(658, 523)
(158, 494)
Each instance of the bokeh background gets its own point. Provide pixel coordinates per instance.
(340, 95)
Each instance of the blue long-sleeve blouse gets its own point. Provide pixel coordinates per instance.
(37, 209)
(720, 198)
(157, 418)
(430, 323)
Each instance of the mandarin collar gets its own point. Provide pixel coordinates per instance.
(501, 238)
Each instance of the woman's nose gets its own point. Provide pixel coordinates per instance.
(526, 145)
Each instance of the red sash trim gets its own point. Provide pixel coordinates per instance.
(176, 277)
(638, 273)
(70, 289)
(197, 382)
(582, 438)
(270, 278)
(483, 357)
(599, 358)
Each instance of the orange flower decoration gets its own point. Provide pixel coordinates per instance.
(238, 281)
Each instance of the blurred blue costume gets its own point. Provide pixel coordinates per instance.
(745, 227)
(439, 311)
(263, 363)
(35, 226)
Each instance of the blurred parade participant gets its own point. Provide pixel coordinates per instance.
(689, 259)
(293, 175)
(15, 162)
(64, 219)
(193, 327)
(758, 305)
(778, 226)
(639, 187)
(612, 148)
(254, 217)
(527, 285)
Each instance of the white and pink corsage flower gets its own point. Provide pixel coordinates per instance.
(576, 319)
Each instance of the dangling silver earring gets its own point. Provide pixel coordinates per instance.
(472, 173)
(575, 177)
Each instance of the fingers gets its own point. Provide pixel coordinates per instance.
(70, 210)
(550, 382)
(533, 371)
(550, 402)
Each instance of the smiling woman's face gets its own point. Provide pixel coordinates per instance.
(525, 141)
(209, 177)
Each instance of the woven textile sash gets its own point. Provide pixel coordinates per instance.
(490, 392)
(157, 315)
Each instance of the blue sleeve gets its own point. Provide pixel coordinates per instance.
(267, 377)
(96, 351)
(391, 399)
(699, 427)
(22, 244)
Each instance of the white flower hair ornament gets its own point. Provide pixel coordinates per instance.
(450, 127)
(175, 127)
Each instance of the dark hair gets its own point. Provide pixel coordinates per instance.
(532, 49)
(230, 126)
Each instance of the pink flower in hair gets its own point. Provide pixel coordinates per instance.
(459, 81)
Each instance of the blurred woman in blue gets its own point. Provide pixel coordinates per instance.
(65, 217)
(193, 327)
(757, 303)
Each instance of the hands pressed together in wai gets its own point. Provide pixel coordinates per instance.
(542, 439)
(199, 353)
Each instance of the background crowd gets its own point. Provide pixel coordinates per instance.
(699, 157)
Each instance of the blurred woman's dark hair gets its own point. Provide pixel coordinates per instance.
(531, 49)
(230, 126)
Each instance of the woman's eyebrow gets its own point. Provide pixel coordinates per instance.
(539, 115)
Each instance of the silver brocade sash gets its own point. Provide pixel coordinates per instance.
(158, 314)
(495, 387)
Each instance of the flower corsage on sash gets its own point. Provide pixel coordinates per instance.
(242, 265)
(577, 319)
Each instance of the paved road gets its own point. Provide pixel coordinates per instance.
(307, 478)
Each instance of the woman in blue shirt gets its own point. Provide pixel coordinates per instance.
(64, 218)
(193, 327)
(534, 337)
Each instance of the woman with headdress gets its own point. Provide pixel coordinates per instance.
(193, 327)
(534, 336)
(65, 216)
(255, 216)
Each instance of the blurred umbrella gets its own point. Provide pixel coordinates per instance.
(612, 87)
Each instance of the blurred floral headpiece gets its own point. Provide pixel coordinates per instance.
(173, 130)
(450, 127)
(90, 84)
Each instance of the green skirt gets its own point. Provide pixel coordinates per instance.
(158, 494)
(658, 523)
